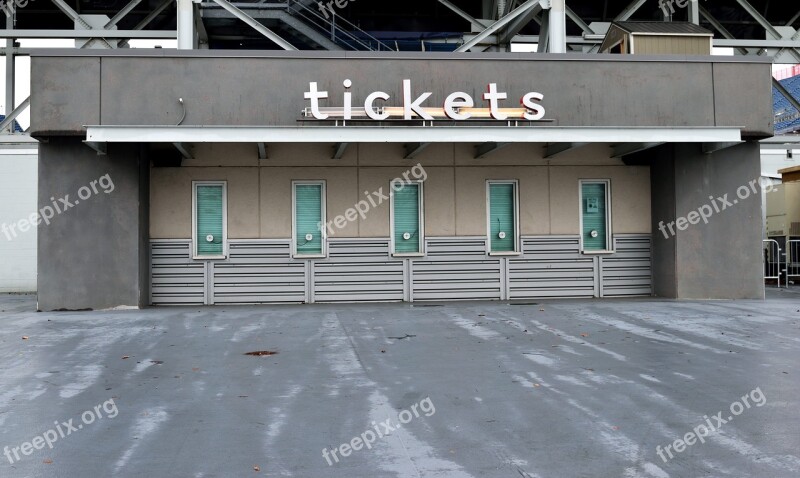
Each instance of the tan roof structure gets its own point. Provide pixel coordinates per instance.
(790, 175)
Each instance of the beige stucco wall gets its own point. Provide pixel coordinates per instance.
(792, 204)
(171, 200)
(260, 200)
(671, 45)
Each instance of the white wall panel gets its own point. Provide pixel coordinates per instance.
(18, 186)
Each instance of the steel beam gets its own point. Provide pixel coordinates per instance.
(485, 149)
(578, 20)
(795, 37)
(558, 27)
(413, 149)
(148, 19)
(8, 122)
(461, 13)
(78, 34)
(185, 149)
(185, 21)
(694, 11)
(794, 19)
(19, 51)
(262, 151)
(626, 14)
(528, 38)
(10, 80)
(255, 25)
(18, 141)
(100, 148)
(710, 148)
(68, 11)
(621, 150)
(765, 24)
(517, 25)
(122, 13)
(339, 149)
(544, 33)
(116, 18)
(760, 44)
(720, 28)
(553, 150)
(202, 33)
(494, 27)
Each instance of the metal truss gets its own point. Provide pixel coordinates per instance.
(304, 24)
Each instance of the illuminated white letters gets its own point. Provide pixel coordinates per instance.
(371, 100)
(458, 99)
(348, 100)
(457, 106)
(492, 96)
(534, 111)
(314, 95)
(415, 106)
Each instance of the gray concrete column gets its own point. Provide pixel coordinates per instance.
(94, 253)
(714, 209)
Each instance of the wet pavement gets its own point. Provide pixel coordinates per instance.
(469, 389)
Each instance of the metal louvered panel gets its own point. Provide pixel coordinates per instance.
(361, 270)
(456, 268)
(628, 272)
(550, 267)
(358, 270)
(175, 278)
(259, 272)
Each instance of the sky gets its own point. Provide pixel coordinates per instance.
(23, 65)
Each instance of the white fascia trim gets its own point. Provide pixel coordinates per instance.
(405, 134)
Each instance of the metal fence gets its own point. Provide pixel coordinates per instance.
(792, 260)
(772, 260)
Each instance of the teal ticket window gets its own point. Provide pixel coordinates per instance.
(308, 231)
(502, 217)
(209, 219)
(595, 215)
(406, 220)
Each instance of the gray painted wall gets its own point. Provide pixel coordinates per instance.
(721, 259)
(662, 208)
(123, 88)
(94, 254)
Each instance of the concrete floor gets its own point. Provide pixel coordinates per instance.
(556, 389)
